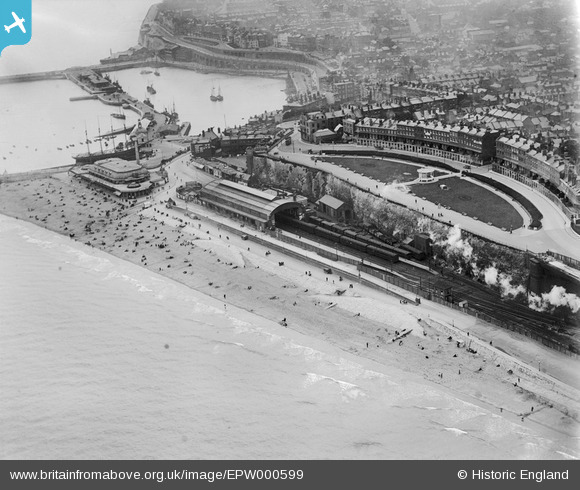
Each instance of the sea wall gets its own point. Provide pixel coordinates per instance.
(34, 174)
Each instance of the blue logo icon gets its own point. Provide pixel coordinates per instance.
(15, 22)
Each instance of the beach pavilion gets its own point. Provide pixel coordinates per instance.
(124, 179)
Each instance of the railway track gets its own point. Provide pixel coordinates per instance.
(480, 298)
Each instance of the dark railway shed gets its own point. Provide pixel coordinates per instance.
(253, 206)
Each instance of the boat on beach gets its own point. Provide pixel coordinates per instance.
(145, 72)
(151, 90)
(220, 97)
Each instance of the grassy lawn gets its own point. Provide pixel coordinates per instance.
(386, 171)
(473, 200)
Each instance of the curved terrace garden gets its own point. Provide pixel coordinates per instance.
(461, 195)
(471, 199)
(384, 170)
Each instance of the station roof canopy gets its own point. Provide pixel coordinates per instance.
(252, 203)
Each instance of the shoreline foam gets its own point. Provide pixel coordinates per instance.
(224, 269)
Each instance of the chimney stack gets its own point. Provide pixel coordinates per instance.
(137, 151)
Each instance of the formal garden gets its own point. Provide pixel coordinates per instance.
(473, 200)
(381, 169)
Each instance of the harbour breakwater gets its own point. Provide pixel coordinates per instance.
(148, 62)
(159, 47)
(33, 77)
(34, 174)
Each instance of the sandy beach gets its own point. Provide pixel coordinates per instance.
(502, 375)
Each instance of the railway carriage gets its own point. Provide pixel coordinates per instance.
(382, 254)
(350, 242)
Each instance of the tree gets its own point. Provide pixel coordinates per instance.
(307, 184)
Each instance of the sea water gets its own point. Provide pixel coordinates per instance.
(68, 33)
(40, 127)
(100, 358)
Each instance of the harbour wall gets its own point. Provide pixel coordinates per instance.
(62, 75)
(33, 77)
(34, 174)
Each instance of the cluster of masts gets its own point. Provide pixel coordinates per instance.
(218, 97)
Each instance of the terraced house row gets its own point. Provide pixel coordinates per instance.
(453, 142)
(527, 161)
(514, 156)
(552, 175)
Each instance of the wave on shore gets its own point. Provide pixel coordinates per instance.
(106, 348)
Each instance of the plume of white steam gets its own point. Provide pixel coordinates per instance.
(475, 270)
(456, 243)
(490, 275)
(494, 278)
(507, 288)
(556, 297)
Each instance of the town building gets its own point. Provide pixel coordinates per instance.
(124, 179)
(234, 144)
(312, 122)
(334, 208)
(458, 143)
(552, 175)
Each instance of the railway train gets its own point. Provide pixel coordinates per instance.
(357, 240)
(369, 239)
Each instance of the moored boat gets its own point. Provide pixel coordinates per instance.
(213, 97)
(123, 152)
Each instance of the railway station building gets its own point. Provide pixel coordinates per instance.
(252, 206)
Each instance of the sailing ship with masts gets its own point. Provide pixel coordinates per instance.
(213, 97)
(125, 151)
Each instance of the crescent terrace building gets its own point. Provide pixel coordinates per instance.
(457, 143)
(555, 177)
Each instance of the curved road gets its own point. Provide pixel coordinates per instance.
(555, 235)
